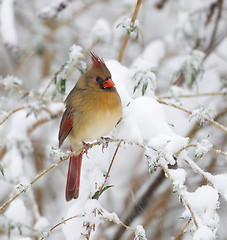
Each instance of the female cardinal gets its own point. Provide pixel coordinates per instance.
(93, 108)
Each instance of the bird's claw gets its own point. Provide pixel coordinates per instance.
(86, 147)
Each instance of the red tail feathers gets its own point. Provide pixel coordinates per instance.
(73, 179)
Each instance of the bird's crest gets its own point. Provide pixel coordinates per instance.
(97, 62)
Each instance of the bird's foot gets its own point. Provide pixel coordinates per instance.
(105, 142)
(86, 146)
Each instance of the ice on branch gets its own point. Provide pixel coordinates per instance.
(8, 30)
(202, 147)
(145, 78)
(101, 31)
(204, 210)
(130, 27)
(52, 10)
(140, 233)
(202, 113)
(10, 81)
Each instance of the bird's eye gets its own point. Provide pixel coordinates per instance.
(97, 79)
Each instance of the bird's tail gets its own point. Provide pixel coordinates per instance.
(73, 179)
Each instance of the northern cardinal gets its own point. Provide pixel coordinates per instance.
(93, 108)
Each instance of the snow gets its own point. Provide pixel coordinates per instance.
(220, 183)
(7, 22)
(129, 26)
(203, 146)
(161, 149)
(75, 53)
(204, 233)
(202, 113)
(153, 53)
(90, 212)
(179, 178)
(16, 214)
(140, 233)
(10, 81)
(101, 31)
(205, 211)
(52, 10)
(42, 224)
(145, 79)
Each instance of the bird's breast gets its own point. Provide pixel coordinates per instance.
(97, 116)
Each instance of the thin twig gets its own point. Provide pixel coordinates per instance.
(182, 230)
(83, 215)
(196, 95)
(182, 197)
(108, 172)
(14, 111)
(60, 223)
(107, 140)
(32, 182)
(127, 35)
(223, 128)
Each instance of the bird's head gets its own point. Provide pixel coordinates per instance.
(98, 76)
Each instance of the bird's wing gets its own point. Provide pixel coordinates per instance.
(66, 125)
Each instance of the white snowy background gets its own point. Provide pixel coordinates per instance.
(169, 177)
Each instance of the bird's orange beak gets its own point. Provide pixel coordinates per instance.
(108, 83)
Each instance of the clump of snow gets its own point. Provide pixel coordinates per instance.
(128, 4)
(10, 81)
(179, 177)
(146, 119)
(204, 210)
(140, 233)
(42, 224)
(23, 186)
(60, 154)
(96, 178)
(204, 233)
(220, 183)
(8, 30)
(122, 78)
(202, 147)
(145, 78)
(202, 113)
(16, 214)
(129, 26)
(160, 149)
(75, 53)
(90, 213)
(53, 9)
(101, 31)
(153, 53)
